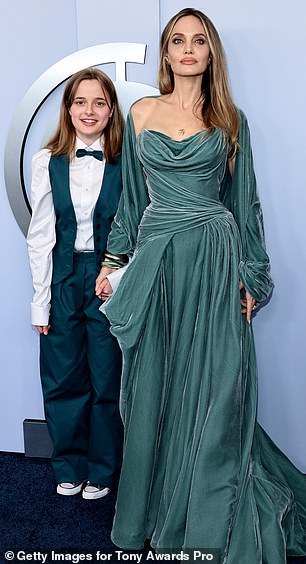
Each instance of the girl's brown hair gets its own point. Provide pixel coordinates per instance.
(218, 109)
(63, 140)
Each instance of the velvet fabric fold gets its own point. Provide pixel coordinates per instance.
(198, 471)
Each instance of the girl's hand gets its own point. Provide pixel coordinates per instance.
(43, 329)
(248, 305)
(106, 290)
(103, 288)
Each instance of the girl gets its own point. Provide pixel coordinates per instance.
(76, 184)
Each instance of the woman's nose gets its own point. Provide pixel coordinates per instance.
(188, 49)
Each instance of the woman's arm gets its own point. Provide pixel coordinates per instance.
(239, 195)
(133, 201)
(134, 198)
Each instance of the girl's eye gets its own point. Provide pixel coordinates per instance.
(79, 102)
(177, 41)
(200, 41)
(100, 104)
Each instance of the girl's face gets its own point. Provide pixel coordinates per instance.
(90, 111)
(188, 49)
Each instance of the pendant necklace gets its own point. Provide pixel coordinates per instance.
(181, 131)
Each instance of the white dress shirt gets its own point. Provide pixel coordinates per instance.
(86, 174)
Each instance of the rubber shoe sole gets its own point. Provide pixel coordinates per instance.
(93, 492)
(69, 488)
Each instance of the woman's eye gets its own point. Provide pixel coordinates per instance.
(177, 41)
(79, 102)
(200, 41)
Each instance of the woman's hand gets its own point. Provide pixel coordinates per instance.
(43, 329)
(248, 305)
(103, 288)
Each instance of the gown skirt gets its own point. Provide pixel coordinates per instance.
(198, 470)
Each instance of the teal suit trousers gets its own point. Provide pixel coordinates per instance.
(80, 365)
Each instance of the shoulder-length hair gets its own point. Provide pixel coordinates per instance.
(218, 109)
(63, 140)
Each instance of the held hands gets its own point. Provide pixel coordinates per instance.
(103, 287)
(103, 290)
(248, 304)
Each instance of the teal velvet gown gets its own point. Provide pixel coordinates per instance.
(198, 471)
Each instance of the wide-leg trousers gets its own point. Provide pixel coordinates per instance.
(80, 364)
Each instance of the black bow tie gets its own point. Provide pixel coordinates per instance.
(83, 153)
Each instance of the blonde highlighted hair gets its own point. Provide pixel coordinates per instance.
(63, 140)
(218, 109)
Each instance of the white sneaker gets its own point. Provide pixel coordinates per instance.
(94, 491)
(69, 488)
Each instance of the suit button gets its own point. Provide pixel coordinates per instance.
(98, 238)
(98, 226)
(99, 214)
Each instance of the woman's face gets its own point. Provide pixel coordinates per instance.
(90, 111)
(188, 49)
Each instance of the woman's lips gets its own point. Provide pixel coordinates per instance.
(188, 61)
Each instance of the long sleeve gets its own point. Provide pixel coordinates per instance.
(239, 195)
(134, 198)
(41, 238)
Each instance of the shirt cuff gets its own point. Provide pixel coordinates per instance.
(40, 314)
(115, 277)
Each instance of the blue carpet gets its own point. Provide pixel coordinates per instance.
(34, 519)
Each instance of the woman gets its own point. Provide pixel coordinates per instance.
(75, 193)
(198, 471)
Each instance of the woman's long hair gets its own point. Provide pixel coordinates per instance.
(63, 140)
(218, 109)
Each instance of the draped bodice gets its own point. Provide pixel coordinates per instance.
(183, 180)
(196, 163)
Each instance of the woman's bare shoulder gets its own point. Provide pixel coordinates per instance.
(142, 110)
(145, 103)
